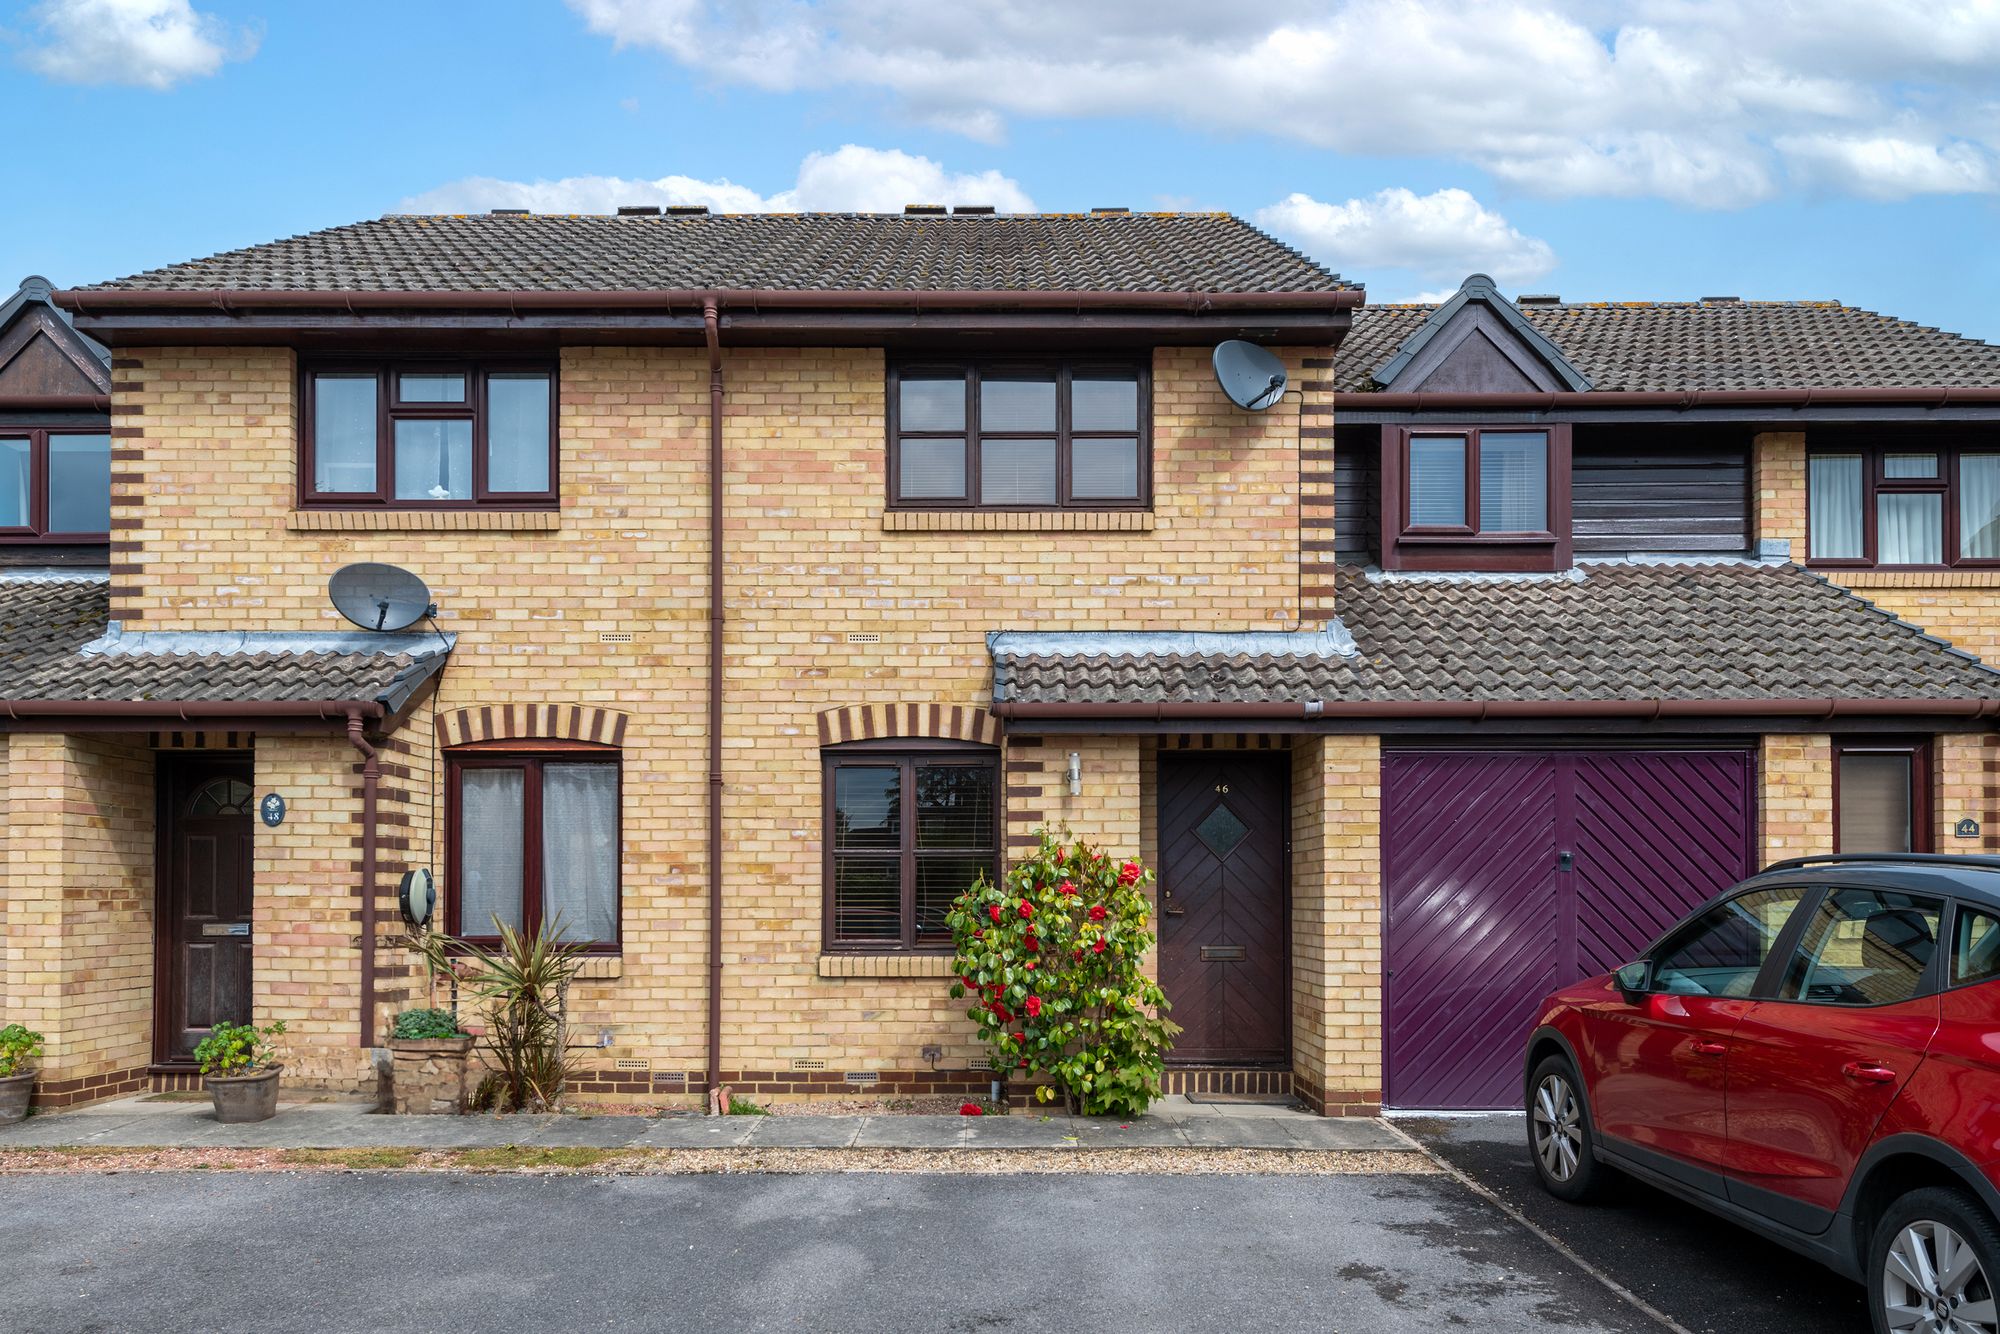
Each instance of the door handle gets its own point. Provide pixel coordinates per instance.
(1706, 1048)
(1868, 1072)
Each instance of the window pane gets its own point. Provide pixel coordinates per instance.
(1104, 402)
(1909, 528)
(79, 483)
(517, 433)
(867, 807)
(1017, 403)
(1721, 952)
(434, 460)
(1017, 472)
(16, 458)
(1833, 498)
(1513, 482)
(343, 433)
(939, 881)
(1975, 950)
(1979, 506)
(1104, 469)
(490, 846)
(868, 898)
(932, 469)
(932, 403)
(1864, 947)
(1909, 465)
(431, 388)
(1437, 481)
(580, 849)
(955, 806)
(1875, 802)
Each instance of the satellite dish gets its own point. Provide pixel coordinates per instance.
(1251, 376)
(380, 597)
(418, 896)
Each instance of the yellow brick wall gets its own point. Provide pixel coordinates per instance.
(1337, 921)
(1795, 796)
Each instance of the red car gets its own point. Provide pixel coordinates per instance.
(1814, 1055)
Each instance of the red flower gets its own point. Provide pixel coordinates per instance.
(1031, 963)
(1020, 1037)
(1032, 943)
(970, 985)
(1027, 910)
(1024, 1062)
(971, 1109)
(1128, 874)
(1034, 1007)
(995, 910)
(1066, 887)
(1096, 912)
(1098, 948)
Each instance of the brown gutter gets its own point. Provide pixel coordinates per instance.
(1682, 400)
(86, 302)
(371, 775)
(187, 711)
(1475, 711)
(55, 402)
(711, 326)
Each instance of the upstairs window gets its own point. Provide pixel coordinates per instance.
(1476, 498)
(55, 485)
(1903, 505)
(1015, 436)
(429, 435)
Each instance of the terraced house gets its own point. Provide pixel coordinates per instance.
(790, 570)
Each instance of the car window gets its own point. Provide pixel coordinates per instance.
(1721, 952)
(1864, 947)
(1975, 947)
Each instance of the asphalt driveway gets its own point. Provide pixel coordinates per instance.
(455, 1252)
(1700, 1271)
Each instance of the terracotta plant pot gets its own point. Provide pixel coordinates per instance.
(14, 1091)
(428, 1078)
(243, 1098)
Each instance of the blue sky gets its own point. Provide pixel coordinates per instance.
(1606, 151)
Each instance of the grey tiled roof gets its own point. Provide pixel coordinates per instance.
(43, 622)
(1683, 632)
(1687, 345)
(1139, 252)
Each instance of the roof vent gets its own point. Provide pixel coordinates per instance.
(1538, 299)
(972, 208)
(687, 210)
(1111, 208)
(923, 210)
(638, 210)
(1722, 301)
(509, 212)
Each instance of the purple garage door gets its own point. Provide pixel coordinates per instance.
(1508, 874)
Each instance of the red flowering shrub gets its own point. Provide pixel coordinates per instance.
(971, 1109)
(1056, 982)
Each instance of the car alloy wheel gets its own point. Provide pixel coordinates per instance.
(1933, 1283)
(1558, 1128)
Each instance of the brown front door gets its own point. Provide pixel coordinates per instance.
(1224, 947)
(208, 848)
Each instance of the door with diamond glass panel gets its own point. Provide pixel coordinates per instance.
(1224, 952)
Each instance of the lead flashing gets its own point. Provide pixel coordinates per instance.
(116, 641)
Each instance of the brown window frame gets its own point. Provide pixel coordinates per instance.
(1064, 368)
(37, 531)
(908, 754)
(532, 758)
(390, 408)
(1874, 482)
(1467, 547)
(1922, 836)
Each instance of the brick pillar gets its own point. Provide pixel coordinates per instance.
(1778, 489)
(1337, 923)
(1317, 519)
(1795, 800)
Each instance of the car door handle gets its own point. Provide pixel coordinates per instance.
(1704, 1048)
(1867, 1072)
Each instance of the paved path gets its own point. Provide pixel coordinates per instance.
(348, 1125)
(1702, 1272)
(447, 1252)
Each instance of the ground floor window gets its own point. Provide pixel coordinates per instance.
(907, 831)
(1881, 796)
(535, 839)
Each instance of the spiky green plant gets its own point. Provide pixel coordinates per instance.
(523, 993)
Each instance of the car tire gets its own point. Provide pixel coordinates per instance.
(1914, 1234)
(1561, 1142)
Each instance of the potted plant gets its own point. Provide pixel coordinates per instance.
(18, 1050)
(428, 1076)
(241, 1068)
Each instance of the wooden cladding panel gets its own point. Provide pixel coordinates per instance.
(1646, 496)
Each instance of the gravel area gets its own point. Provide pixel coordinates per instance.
(682, 1162)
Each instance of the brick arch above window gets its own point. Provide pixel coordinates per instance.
(871, 722)
(522, 722)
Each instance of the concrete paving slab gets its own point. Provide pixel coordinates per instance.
(1147, 1132)
(592, 1132)
(912, 1132)
(40, 1132)
(1356, 1133)
(709, 1132)
(805, 1132)
(1239, 1134)
(1021, 1132)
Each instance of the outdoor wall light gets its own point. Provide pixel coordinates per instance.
(1075, 774)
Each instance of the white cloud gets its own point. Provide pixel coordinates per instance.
(849, 179)
(144, 43)
(1706, 102)
(1443, 235)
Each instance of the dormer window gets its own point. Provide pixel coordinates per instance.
(429, 435)
(55, 485)
(1476, 497)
